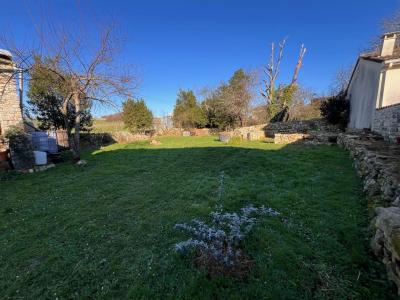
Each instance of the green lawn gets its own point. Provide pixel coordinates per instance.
(105, 230)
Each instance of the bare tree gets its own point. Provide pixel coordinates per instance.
(272, 71)
(299, 64)
(89, 75)
(388, 24)
(277, 97)
(341, 79)
(392, 23)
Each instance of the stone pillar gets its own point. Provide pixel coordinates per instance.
(10, 106)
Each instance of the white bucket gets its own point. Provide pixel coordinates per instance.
(40, 158)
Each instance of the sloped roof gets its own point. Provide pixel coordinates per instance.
(375, 56)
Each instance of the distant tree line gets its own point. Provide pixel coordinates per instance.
(227, 106)
(234, 104)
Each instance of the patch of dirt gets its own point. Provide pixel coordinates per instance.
(239, 270)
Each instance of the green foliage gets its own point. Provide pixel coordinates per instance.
(336, 110)
(282, 99)
(21, 148)
(237, 96)
(106, 231)
(136, 116)
(14, 132)
(187, 112)
(228, 106)
(46, 93)
(216, 113)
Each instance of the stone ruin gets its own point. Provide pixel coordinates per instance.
(314, 131)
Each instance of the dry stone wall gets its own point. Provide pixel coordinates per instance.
(251, 133)
(314, 125)
(290, 138)
(387, 122)
(378, 164)
(316, 131)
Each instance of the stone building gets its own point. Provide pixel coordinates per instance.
(374, 90)
(10, 102)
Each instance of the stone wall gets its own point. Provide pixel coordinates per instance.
(10, 110)
(314, 125)
(378, 164)
(290, 138)
(316, 131)
(387, 122)
(252, 133)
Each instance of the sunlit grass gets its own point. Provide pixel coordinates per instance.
(106, 230)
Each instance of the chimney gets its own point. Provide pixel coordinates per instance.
(389, 43)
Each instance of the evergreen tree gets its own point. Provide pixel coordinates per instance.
(136, 116)
(187, 112)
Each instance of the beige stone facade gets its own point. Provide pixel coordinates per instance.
(374, 83)
(10, 107)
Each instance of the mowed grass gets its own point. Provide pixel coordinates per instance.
(105, 230)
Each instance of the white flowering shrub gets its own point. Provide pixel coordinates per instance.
(222, 241)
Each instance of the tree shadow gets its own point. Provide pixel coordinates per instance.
(128, 198)
(310, 185)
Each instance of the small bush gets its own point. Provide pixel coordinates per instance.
(14, 131)
(220, 246)
(336, 110)
(21, 148)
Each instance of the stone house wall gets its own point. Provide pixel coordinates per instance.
(387, 122)
(10, 109)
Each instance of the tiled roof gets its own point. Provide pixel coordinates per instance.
(375, 56)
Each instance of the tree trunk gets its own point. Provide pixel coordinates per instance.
(298, 65)
(76, 151)
(71, 141)
(241, 121)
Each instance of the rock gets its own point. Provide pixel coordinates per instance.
(225, 137)
(396, 202)
(371, 187)
(81, 162)
(386, 242)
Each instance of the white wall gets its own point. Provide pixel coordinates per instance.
(363, 92)
(391, 92)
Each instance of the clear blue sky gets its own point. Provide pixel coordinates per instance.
(190, 44)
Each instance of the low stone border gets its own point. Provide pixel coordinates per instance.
(281, 138)
(312, 137)
(378, 164)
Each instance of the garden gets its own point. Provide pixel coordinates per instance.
(108, 229)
